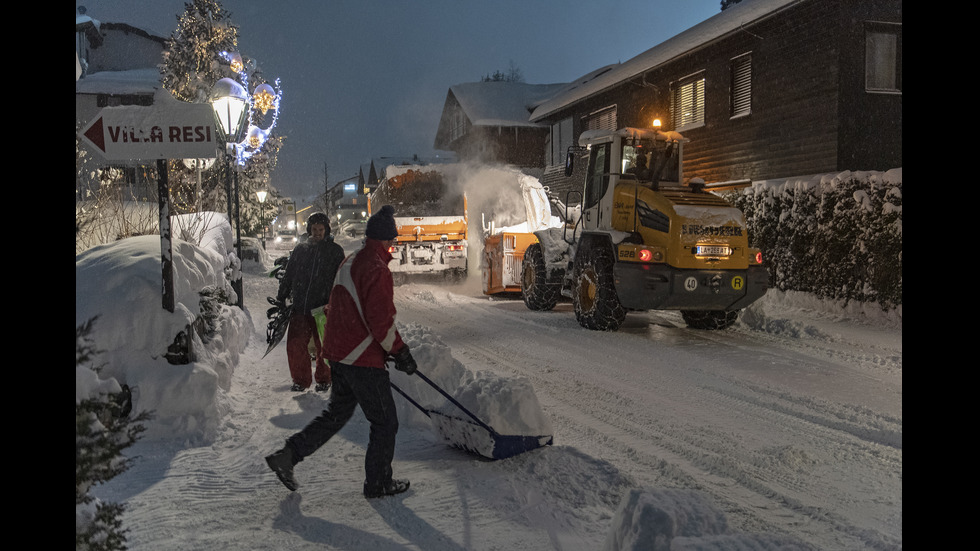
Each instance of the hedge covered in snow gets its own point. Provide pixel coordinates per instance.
(838, 236)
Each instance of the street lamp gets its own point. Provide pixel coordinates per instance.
(230, 103)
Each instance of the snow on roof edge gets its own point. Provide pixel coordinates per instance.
(505, 103)
(716, 26)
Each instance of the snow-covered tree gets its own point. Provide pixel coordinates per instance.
(192, 62)
(104, 427)
(195, 60)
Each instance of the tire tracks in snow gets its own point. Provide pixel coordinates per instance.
(670, 428)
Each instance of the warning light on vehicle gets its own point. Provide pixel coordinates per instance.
(646, 255)
(454, 248)
(758, 257)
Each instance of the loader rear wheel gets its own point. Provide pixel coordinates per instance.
(597, 305)
(538, 293)
(709, 319)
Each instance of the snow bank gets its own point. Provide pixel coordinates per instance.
(676, 520)
(791, 313)
(120, 284)
(650, 519)
(507, 405)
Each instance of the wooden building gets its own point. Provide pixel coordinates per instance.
(489, 122)
(766, 89)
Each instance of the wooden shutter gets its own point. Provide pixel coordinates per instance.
(603, 119)
(742, 85)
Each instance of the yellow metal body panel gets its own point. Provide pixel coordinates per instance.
(676, 220)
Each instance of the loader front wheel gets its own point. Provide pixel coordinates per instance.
(597, 305)
(538, 293)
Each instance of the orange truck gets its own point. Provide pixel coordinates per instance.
(431, 217)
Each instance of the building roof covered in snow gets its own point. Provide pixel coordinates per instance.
(132, 81)
(489, 104)
(157, 18)
(728, 21)
(501, 103)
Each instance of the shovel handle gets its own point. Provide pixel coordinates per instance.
(457, 404)
(409, 398)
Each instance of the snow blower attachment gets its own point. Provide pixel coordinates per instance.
(472, 434)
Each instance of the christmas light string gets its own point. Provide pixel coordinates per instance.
(264, 98)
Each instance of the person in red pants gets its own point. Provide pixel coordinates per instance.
(361, 322)
(310, 271)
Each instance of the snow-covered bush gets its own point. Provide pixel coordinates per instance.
(120, 282)
(838, 236)
(104, 427)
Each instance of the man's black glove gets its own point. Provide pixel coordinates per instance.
(405, 362)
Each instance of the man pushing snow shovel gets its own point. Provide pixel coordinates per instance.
(361, 323)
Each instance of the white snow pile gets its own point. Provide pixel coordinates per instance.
(682, 520)
(119, 285)
(507, 405)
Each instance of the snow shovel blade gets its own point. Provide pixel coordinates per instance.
(474, 435)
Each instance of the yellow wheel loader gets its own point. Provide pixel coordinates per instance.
(644, 240)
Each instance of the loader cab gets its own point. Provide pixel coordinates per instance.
(649, 158)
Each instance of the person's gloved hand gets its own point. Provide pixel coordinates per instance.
(405, 362)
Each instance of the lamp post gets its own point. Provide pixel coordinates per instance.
(230, 103)
(262, 194)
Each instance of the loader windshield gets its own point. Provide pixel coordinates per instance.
(649, 161)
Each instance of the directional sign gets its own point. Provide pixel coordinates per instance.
(171, 131)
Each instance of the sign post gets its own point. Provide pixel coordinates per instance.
(170, 131)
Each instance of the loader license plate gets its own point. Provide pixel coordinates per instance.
(712, 250)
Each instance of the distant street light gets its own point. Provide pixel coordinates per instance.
(262, 194)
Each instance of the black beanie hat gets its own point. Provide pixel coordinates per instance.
(381, 225)
(318, 218)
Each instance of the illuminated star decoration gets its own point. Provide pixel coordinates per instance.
(264, 98)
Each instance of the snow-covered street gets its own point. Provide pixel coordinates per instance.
(788, 424)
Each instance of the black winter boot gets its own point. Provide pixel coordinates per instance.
(281, 463)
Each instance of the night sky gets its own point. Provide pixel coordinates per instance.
(364, 79)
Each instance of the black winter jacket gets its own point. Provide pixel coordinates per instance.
(310, 272)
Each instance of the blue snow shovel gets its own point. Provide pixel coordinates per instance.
(474, 435)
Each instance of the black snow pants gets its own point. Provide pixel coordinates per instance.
(354, 385)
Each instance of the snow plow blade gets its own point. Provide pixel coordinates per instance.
(473, 435)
